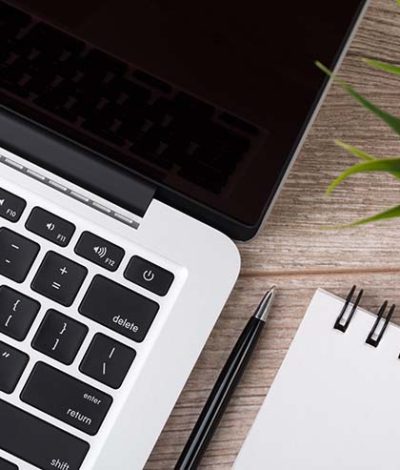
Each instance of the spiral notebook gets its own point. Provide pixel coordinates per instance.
(335, 403)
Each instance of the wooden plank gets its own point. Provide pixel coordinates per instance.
(296, 253)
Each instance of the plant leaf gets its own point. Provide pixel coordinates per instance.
(386, 67)
(387, 165)
(391, 121)
(391, 213)
(363, 155)
(355, 151)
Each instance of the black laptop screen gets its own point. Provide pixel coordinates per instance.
(207, 97)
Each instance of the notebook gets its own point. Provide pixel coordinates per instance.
(335, 403)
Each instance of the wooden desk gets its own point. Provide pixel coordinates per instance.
(294, 252)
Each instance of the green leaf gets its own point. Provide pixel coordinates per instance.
(390, 120)
(363, 155)
(387, 165)
(355, 151)
(391, 213)
(386, 67)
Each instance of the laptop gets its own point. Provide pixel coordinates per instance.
(137, 140)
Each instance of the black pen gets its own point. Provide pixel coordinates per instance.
(224, 386)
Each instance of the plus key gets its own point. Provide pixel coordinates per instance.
(59, 279)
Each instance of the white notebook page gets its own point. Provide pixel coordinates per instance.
(335, 402)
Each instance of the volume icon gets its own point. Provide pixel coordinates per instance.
(100, 251)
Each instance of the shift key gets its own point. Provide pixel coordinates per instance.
(119, 308)
(37, 442)
(66, 398)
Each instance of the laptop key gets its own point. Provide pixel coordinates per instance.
(17, 312)
(107, 361)
(12, 365)
(5, 465)
(59, 337)
(99, 251)
(49, 226)
(17, 255)
(66, 398)
(37, 442)
(119, 308)
(149, 275)
(11, 206)
(59, 279)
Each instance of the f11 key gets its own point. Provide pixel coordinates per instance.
(50, 226)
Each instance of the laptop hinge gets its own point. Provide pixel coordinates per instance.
(74, 163)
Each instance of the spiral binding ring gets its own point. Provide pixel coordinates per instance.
(339, 324)
(374, 337)
(380, 325)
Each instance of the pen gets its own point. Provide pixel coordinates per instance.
(224, 387)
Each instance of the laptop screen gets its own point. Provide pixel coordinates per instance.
(208, 97)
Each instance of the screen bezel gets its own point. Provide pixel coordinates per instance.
(232, 227)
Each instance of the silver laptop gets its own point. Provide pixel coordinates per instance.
(137, 139)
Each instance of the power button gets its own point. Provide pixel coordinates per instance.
(149, 275)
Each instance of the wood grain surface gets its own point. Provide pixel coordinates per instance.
(297, 253)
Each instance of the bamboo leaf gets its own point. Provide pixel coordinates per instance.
(391, 121)
(387, 165)
(363, 155)
(391, 213)
(386, 67)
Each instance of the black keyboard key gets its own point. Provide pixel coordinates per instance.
(149, 275)
(119, 308)
(11, 206)
(17, 313)
(12, 365)
(103, 127)
(59, 279)
(107, 361)
(50, 226)
(17, 255)
(152, 150)
(42, 81)
(5, 465)
(99, 251)
(65, 398)
(59, 337)
(57, 101)
(38, 442)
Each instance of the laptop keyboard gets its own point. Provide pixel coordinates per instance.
(126, 107)
(105, 355)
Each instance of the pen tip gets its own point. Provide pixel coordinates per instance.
(265, 304)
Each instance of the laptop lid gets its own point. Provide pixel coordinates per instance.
(205, 100)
